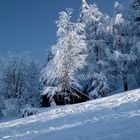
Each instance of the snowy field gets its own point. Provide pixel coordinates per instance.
(112, 118)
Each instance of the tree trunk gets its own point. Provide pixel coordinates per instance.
(65, 83)
(125, 84)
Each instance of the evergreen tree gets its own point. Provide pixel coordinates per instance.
(123, 51)
(93, 20)
(134, 18)
(62, 70)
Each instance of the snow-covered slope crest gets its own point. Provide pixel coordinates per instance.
(112, 118)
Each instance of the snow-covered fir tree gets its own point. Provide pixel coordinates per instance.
(123, 50)
(69, 57)
(134, 18)
(92, 19)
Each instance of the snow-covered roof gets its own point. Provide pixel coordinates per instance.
(79, 92)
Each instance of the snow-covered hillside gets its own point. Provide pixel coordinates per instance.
(113, 118)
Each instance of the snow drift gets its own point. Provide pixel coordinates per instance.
(112, 118)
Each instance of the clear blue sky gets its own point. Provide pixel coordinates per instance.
(29, 25)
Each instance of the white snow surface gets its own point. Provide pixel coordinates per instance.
(112, 118)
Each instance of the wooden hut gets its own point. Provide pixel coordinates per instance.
(72, 96)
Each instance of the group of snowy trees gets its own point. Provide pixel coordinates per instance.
(19, 84)
(97, 55)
